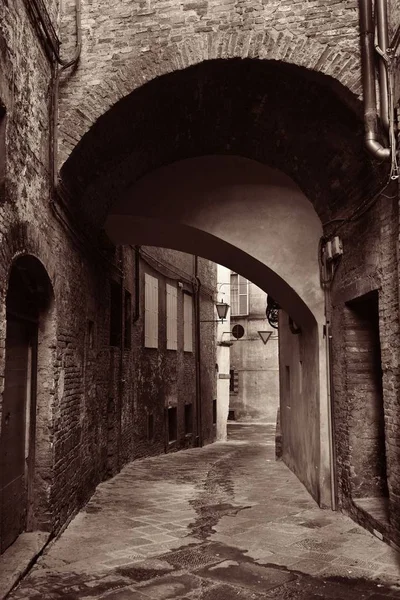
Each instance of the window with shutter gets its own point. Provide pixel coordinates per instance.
(239, 295)
(187, 323)
(150, 311)
(172, 317)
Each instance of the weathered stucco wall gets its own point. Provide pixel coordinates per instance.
(299, 405)
(155, 379)
(256, 364)
(223, 353)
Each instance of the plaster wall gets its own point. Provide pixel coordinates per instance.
(299, 423)
(248, 206)
(223, 353)
(257, 396)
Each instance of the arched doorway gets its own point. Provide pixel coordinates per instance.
(25, 435)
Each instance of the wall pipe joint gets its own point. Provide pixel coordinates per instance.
(368, 56)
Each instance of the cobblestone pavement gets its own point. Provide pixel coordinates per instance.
(223, 522)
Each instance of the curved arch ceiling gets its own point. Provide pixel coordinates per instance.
(235, 211)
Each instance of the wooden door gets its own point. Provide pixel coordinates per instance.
(14, 441)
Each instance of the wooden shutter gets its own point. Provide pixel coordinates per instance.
(150, 311)
(187, 323)
(234, 295)
(172, 317)
(243, 295)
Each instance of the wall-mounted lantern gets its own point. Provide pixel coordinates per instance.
(222, 311)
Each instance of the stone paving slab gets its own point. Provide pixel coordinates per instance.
(207, 523)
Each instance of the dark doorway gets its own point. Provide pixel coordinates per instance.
(28, 300)
(16, 417)
(368, 477)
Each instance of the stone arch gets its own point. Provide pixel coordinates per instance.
(28, 398)
(275, 113)
(255, 221)
(287, 117)
(234, 211)
(83, 101)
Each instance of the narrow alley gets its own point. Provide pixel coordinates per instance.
(226, 521)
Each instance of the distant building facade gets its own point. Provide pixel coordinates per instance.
(254, 367)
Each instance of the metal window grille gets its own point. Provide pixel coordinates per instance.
(234, 382)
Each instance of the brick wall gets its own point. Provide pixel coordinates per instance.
(125, 45)
(369, 263)
(79, 412)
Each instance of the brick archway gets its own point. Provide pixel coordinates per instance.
(288, 117)
(93, 90)
(292, 119)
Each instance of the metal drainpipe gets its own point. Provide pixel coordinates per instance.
(383, 41)
(367, 33)
(121, 381)
(65, 64)
(137, 284)
(329, 386)
(199, 424)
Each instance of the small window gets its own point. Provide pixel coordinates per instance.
(172, 317)
(128, 320)
(233, 381)
(188, 418)
(150, 427)
(187, 323)
(172, 424)
(214, 412)
(239, 295)
(150, 311)
(115, 314)
(231, 415)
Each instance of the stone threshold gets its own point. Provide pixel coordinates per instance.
(373, 514)
(16, 561)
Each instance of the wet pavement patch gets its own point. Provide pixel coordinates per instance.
(247, 575)
(126, 594)
(174, 586)
(146, 570)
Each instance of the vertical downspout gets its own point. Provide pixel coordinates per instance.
(121, 359)
(329, 387)
(199, 424)
(367, 34)
(55, 85)
(137, 284)
(383, 41)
